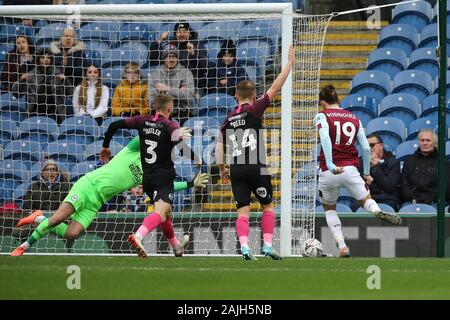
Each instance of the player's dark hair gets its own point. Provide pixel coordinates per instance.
(329, 95)
(245, 89)
(161, 102)
(373, 135)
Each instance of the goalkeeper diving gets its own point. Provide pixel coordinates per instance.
(95, 188)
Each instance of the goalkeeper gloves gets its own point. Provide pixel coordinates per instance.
(185, 133)
(201, 180)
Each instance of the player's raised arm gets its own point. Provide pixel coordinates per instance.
(321, 123)
(281, 79)
(129, 123)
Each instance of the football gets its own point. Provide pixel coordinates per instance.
(312, 248)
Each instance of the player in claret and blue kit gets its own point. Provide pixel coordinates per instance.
(339, 129)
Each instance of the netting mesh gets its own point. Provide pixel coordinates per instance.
(77, 76)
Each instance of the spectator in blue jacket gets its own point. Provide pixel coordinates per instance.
(224, 77)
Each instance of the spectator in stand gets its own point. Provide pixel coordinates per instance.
(46, 87)
(385, 171)
(47, 193)
(20, 60)
(131, 94)
(227, 73)
(175, 80)
(91, 97)
(419, 178)
(135, 200)
(68, 53)
(190, 54)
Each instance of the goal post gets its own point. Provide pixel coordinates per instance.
(261, 35)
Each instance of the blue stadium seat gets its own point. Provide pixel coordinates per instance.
(66, 152)
(13, 172)
(216, 101)
(258, 30)
(429, 36)
(417, 14)
(415, 82)
(403, 106)
(417, 208)
(339, 208)
(112, 76)
(20, 191)
(400, 36)
(375, 84)
(389, 60)
(383, 206)
(97, 31)
(406, 149)
(81, 130)
(91, 151)
(121, 57)
(8, 130)
(430, 106)
(9, 102)
(80, 169)
(102, 47)
(39, 128)
(424, 59)
(219, 30)
(201, 124)
(365, 108)
(92, 57)
(391, 130)
(134, 45)
(141, 31)
(251, 56)
(213, 48)
(419, 124)
(122, 136)
(25, 151)
(49, 33)
(9, 32)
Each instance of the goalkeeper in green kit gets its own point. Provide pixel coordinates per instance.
(91, 191)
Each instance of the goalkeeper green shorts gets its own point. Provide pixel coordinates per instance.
(86, 200)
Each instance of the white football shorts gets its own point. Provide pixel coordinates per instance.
(330, 185)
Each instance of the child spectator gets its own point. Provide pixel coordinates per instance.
(20, 61)
(130, 96)
(91, 96)
(135, 200)
(224, 77)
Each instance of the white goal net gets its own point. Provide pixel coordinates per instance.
(66, 75)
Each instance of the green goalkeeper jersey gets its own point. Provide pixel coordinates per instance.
(122, 173)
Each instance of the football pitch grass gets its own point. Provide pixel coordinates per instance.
(207, 278)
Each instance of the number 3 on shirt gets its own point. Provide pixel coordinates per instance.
(150, 151)
(348, 129)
